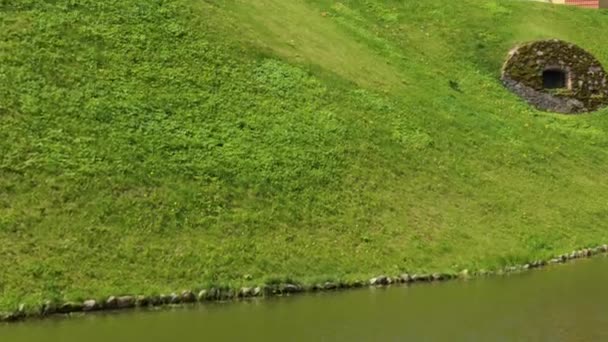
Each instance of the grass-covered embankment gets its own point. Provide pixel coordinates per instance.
(152, 146)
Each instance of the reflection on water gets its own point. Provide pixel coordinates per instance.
(564, 303)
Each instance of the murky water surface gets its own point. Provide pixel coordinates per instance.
(564, 303)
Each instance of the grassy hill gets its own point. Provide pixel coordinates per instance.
(153, 146)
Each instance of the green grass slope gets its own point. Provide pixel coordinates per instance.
(153, 146)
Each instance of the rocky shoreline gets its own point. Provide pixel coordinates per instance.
(189, 297)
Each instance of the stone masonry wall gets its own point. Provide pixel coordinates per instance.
(587, 81)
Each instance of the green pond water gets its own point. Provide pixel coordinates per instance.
(562, 303)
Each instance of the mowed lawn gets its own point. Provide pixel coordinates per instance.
(155, 146)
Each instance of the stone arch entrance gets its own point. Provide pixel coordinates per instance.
(556, 76)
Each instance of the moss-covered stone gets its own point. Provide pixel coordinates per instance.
(586, 80)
